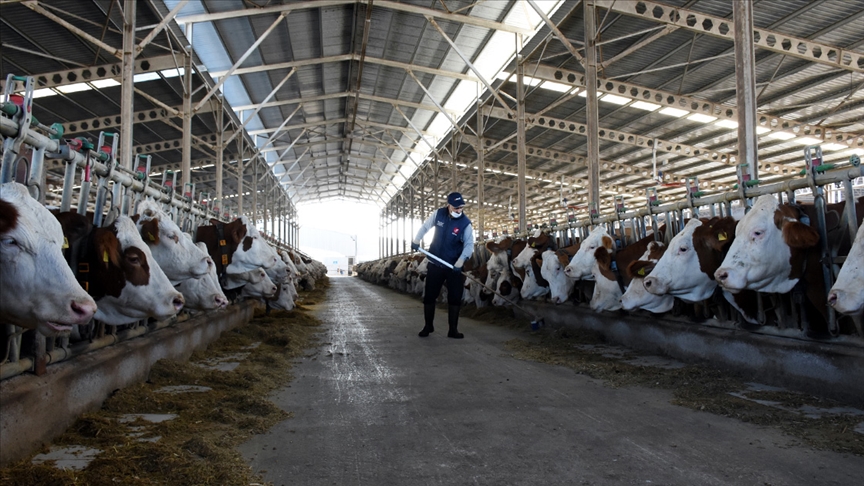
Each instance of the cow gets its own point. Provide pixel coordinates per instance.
(255, 283)
(116, 268)
(235, 247)
(37, 288)
(636, 296)
(202, 293)
(552, 267)
(177, 256)
(847, 294)
(686, 270)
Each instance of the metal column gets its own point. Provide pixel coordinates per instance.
(591, 111)
(520, 140)
(186, 161)
(127, 92)
(745, 84)
(240, 170)
(220, 158)
(481, 168)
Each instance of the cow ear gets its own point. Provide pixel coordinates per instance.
(150, 232)
(538, 262)
(107, 248)
(608, 243)
(215, 221)
(799, 235)
(602, 255)
(135, 218)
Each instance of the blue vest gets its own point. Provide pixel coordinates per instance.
(449, 240)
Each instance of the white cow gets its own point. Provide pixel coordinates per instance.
(255, 283)
(202, 293)
(607, 290)
(37, 288)
(178, 257)
(531, 289)
(847, 294)
(560, 286)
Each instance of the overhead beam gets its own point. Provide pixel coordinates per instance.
(724, 28)
(65, 77)
(401, 7)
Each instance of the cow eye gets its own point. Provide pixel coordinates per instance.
(683, 249)
(133, 259)
(757, 233)
(9, 242)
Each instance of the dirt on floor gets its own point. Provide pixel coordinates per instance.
(818, 422)
(198, 446)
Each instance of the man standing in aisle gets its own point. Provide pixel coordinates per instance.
(454, 243)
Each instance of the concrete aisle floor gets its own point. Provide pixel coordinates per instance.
(377, 405)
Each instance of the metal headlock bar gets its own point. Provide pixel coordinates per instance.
(54, 149)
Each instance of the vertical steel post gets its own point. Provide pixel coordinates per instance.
(240, 170)
(127, 93)
(745, 84)
(520, 138)
(186, 161)
(591, 109)
(220, 155)
(481, 169)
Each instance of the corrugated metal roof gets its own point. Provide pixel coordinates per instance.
(350, 139)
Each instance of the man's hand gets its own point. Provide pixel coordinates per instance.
(415, 246)
(457, 269)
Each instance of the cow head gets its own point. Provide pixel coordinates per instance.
(127, 282)
(177, 256)
(847, 294)
(769, 249)
(202, 293)
(552, 269)
(607, 291)
(252, 250)
(37, 288)
(583, 261)
(678, 272)
(636, 296)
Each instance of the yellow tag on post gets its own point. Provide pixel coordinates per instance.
(224, 259)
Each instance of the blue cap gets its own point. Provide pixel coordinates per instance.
(455, 199)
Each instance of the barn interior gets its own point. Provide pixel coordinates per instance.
(264, 106)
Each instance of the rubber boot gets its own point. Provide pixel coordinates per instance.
(429, 316)
(453, 320)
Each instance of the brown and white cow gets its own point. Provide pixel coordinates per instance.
(119, 272)
(235, 247)
(177, 256)
(552, 268)
(770, 247)
(636, 296)
(37, 288)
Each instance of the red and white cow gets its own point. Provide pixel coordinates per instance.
(769, 249)
(177, 256)
(847, 294)
(552, 269)
(37, 288)
(236, 247)
(256, 284)
(120, 272)
(636, 296)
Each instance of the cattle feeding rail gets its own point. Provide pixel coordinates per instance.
(774, 312)
(101, 182)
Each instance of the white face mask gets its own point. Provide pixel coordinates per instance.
(455, 215)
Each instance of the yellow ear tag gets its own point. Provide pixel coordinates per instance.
(105, 256)
(65, 242)
(150, 235)
(532, 245)
(722, 236)
(641, 271)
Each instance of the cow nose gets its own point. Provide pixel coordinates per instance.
(833, 297)
(83, 311)
(221, 301)
(721, 275)
(178, 302)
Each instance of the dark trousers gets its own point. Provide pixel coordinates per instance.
(435, 278)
